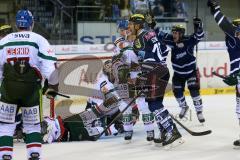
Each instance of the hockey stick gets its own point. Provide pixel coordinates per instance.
(193, 133)
(59, 94)
(218, 75)
(194, 31)
(63, 95)
(119, 115)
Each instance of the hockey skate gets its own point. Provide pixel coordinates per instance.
(34, 156)
(183, 111)
(200, 117)
(161, 139)
(128, 136)
(236, 144)
(150, 135)
(172, 139)
(6, 157)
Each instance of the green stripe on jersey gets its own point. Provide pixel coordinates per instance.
(22, 43)
(46, 57)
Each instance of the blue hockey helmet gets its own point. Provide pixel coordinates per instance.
(24, 19)
(122, 24)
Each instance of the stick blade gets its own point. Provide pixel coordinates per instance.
(201, 133)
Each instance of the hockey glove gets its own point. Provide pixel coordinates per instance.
(214, 6)
(197, 23)
(50, 90)
(150, 21)
(231, 80)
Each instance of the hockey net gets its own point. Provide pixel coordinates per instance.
(77, 76)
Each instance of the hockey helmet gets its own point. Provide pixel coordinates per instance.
(137, 19)
(122, 24)
(107, 67)
(24, 19)
(5, 29)
(178, 28)
(236, 22)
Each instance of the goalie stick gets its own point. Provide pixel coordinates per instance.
(118, 116)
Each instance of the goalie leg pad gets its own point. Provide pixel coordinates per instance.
(87, 117)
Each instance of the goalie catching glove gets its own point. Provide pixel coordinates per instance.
(49, 90)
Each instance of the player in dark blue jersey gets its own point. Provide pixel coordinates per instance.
(232, 39)
(184, 64)
(153, 54)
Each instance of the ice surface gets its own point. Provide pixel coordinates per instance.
(219, 111)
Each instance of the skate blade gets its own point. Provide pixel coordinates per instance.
(175, 144)
(158, 145)
(127, 141)
(236, 147)
(149, 142)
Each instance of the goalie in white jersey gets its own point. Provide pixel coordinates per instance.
(25, 59)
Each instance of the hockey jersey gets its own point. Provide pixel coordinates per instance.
(232, 42)
(28, 46)
(182, 57)
(148, 48)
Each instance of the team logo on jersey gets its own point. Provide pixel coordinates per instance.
(180, 45)
(18, 51)
(21, 35)
(137, 44)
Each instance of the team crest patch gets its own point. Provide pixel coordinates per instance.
(180, 45)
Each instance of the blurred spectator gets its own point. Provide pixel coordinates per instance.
(141, 6)
(168, 7)
(179, 9)
(158, 9)
(125, 8)
(110, 9)
(115, 10)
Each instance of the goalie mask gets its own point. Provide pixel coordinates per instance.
(107, 67)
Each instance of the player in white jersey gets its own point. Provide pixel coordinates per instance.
(25, 59)
(127, 57)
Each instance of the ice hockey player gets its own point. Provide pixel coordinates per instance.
(61, 130)
(126, 70)
(5, 30)
(184, 64)
(25, 58)
(154, 54)
(232, 39)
